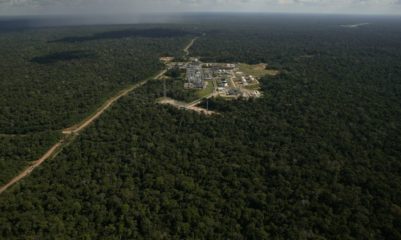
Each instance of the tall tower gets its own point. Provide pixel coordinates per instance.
(164, 88)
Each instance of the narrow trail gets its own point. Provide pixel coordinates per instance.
(76, 129)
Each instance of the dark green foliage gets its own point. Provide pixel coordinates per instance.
(127, 33)
(62, 56)
(317, 158)
(176, 90)
(261, 170)
(174, 72)
(73, 79)
(16, 151)
(175, 86)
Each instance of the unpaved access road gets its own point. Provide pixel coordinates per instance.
(52, 152)
(76, 129)
(84, 124)
(186, 49)
(35, 164)
(188, 106)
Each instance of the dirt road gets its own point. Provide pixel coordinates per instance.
(52, 152)
(186, 49)
(198, 101)
(188, 106)
(84, 124)
(29, 169)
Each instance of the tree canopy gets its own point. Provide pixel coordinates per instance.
(318, 157)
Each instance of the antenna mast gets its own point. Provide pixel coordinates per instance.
(164, 88)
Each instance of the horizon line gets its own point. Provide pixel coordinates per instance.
(203, 13)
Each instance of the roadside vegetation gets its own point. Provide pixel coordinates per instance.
(53, 78)
(317, 157)
(17, 151)
(50, 82)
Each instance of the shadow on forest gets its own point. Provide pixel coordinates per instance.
(62, 56)
(149, 33)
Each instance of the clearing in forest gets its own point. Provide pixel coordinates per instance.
(257, 70)
(187, 106)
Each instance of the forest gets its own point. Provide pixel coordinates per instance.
(18, 150)
(50, 82)
(318, 157)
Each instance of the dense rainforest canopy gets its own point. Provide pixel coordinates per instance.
(18, 150)
(51, 78)
(318, 157)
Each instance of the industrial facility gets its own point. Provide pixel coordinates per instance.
(195, 76)
(226, 78)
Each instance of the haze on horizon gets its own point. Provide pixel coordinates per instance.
(115, 7)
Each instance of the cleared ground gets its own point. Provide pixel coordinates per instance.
(207, 91)
(258, 70)
(186, 106)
